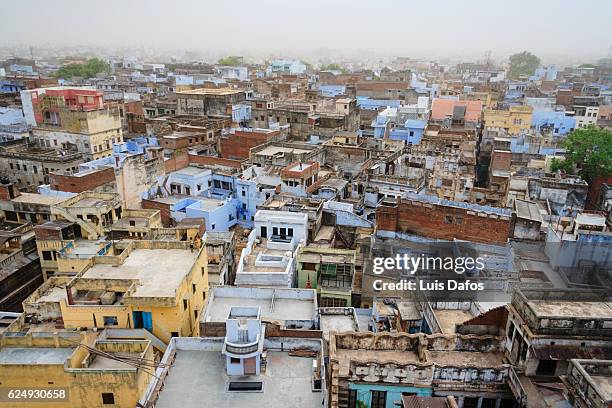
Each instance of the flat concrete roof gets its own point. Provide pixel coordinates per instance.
(35, 198)
(105, 363)
(283, 309)
(448, 318)
(160, 271)
(54, 294)
(35, 355)
(466, 358)
(561, 308)
(272, 150)
(191, 171)
(274, 304)
(337, 323)
(198, 378)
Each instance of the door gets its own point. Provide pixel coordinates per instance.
(137, 318)
(264, 232)
(142, 320)
(250, 366)
(147, 321)
(547, 367)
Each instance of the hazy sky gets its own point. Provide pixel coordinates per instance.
(549, 28)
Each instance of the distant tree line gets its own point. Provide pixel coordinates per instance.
(87, 70)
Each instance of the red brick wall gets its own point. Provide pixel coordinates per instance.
(430, 220)
(177, 162)
(87, 182)
(595, 190)
(164, 210)
(564, 97)
(238, 144)
(4, 191)
(494, 317)
(501, 160)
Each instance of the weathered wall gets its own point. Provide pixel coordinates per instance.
(443, 222)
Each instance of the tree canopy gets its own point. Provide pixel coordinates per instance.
(589, 153)
(523, 63)
(87, 70)
(231, 61)
(333, 67)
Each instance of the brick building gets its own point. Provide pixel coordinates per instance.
(238, 142)
(442, 219)
(90, 180)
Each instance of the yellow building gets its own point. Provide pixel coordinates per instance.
(513, 120)
(73, 369)
(85, 225)
(159, 286)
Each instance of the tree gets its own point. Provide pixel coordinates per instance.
(231, 61)
(523, 63)
(589, 153)
(333, 67)
(87, 70)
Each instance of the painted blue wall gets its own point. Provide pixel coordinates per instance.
(561, 124)
(365, 102)
(332, 90)
(412, 132)
(394, 392)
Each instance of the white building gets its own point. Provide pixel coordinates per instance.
(269, 256)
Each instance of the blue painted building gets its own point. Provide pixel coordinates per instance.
(560, 124)
(394, 393)
(120, 152)
(292, 67)
(364, 102)
(330, 91)
(411, 133)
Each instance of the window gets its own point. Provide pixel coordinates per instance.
(110, 321)
(203, 295)
(243, 193)
(193, 287)
(333, 302)
(174, 334)
(184, 304)
(234, 360)
(290, 232)
(379, 399)
(11, 166)
(448, 219)
(108, 398)
(274, 230)
(510, 330)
